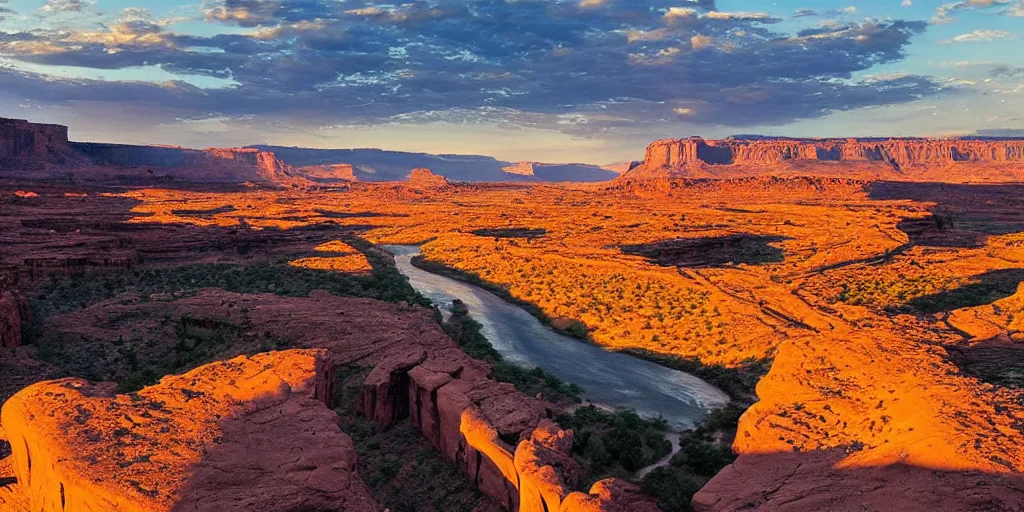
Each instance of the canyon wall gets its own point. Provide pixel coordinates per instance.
(15, 314)
(25, 144)
(252, 433)
(891, 157)
(229, 165)
(501, 439)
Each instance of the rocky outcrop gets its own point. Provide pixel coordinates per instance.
(34, 146)
(328, 173)
(474, 421)
(14, 315)
(610, 495)
(423, 178)
(696, 157)
(225, 165)
(520, 169)
(251, 433)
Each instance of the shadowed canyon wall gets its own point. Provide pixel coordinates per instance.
(498, 436)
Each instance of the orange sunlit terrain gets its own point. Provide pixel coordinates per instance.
(888, 312)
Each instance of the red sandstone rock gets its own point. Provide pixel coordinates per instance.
(903, 158)
(546, 469)
(25, 145)
(520, 169)
(328, 173)
(14, 313)
(813, 481)
(425, 178)
(610, 495)
(249, 433)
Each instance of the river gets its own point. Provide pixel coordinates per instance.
(607, 378)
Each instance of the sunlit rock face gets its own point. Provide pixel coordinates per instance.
(471, 419)
(426, 179)
(889, 158)
(250, 433)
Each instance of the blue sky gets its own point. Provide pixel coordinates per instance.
(545, 80)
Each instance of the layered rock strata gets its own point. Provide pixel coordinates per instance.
(251, 433)
(984, 160)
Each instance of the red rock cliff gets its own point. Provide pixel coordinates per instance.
(25, 144)
(686, 157)
(251, 433)
(425, 178)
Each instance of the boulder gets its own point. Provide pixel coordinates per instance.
(610, 495)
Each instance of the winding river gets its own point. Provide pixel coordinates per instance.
(607, 378)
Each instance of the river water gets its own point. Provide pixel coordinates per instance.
(607, 378)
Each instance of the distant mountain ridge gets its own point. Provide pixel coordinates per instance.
(382, 165)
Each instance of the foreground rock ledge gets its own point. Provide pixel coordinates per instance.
(251, 433)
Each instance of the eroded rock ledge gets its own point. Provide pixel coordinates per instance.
(188, 442)
(250, 433)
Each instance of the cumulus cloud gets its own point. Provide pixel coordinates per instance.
(608, 65)
(59, 6)
(907, 3)
(1016, 9)
(944, 12)
(980, 36)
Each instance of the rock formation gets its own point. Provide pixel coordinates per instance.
(425, 179)
(520, 169)
(887, 158)
(329, 173)
(14, 314)
(35, 146)
(251, 433)
(227, 165)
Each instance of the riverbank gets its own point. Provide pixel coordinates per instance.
(738, 383)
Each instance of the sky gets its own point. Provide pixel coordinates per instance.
(588, 81)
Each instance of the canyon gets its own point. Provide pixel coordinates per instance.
(859, 301)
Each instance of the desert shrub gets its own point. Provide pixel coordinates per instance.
(403, 471)
(614, 444)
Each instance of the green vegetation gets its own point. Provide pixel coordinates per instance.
(385, 282)
(404, 472)
(614, 444)
(738, 383)
(171, 347)
(177, 345)
(466, 333)
(576, 329)
(704, 452)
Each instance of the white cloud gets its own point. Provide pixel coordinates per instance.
(676, 13)
(723, 15)
(1016, 9)
(907, 3)
(980, 36)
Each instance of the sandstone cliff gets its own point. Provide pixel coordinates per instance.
(251, 433)
(225, 165)
(520, 169)
(904, 159)
(14, 315)
(426, 179)
(34, 146)
(329, 173)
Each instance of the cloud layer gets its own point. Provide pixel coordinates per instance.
(583, 67)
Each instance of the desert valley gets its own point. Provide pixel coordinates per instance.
(740, 324)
